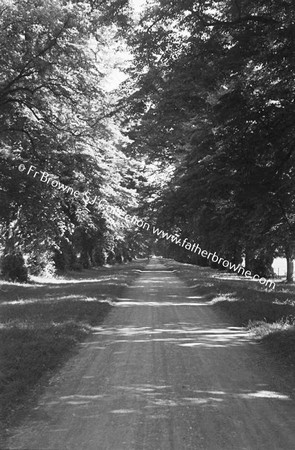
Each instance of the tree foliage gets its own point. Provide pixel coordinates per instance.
(58, 114)
(215, 95)
(198, 140)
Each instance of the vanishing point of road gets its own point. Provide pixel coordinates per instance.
(164, 372)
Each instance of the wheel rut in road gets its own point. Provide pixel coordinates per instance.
(163, 372)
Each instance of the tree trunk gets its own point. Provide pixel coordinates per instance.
(249, 257)
(290, 269)
(290, 265)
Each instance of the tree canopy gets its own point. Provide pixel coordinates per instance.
(198, 138)
(215, 97)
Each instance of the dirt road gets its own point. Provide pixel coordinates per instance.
(164, 373)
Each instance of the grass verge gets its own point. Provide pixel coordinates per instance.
(268, 314)
(41, 324)
(278, 336)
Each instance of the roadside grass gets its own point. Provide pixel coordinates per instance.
(42, 322)
(262, 328)
(278, 336)
(268, 314)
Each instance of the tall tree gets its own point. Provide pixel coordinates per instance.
(57, 115)
(216, 95)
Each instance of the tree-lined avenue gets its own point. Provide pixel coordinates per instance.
(165, 372)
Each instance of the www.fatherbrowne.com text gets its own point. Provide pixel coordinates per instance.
(195, 248)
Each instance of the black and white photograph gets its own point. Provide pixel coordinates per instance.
(147, 224)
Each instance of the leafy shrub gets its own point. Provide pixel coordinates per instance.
(64, 257)
(99, 256)
(13, 267)
(84, 259)
(59, 261)
(41, 263)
